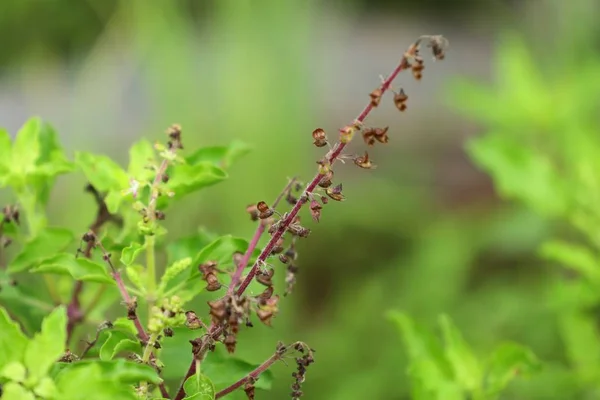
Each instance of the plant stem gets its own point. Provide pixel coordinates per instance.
(150, 272)
(252, 375)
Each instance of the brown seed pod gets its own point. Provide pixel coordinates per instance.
(320, 137)
(335, 193)
(315, 210)
(264, 211)
(376, 97)
(400, 100)
(326, 180)
(364, 162)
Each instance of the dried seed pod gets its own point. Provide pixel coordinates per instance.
(265, 277)
(278, 248)
(417, 68)
(266, 294)
(284, 259)
(264, 211)
(326, 180)
(237, 258)
(131, 308)
(315, 210)
(364, 162)
(291, 199)
(253, 211)
(335, 193)
(298, 230)
(380, 134)
(400, 100)
(438, 44)
(11, 214)
(159, 215)
(376, 97)
(212, 282)
(168, 332)
(369, 136)
(320, 138)
(218, 310)
(230, 341)
(192, 321)
(249, 389)
(324, 200)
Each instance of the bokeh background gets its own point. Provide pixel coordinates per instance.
(425, 233)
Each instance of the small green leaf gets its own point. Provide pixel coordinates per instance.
(220, 156)
(187, 178)
(199, 387)
(224, 369)
(14, 391)
(173, 271)
(5, 158)
(102, 172)
(116, 342)
(26, 147)
(97, 384)
(508, 361)
(113, 200)
(130, 253)
(12, 340)
(578, 258)
(141, 155)
(125, 325)
(14, 371)
(81, 269)
(48, 345)
(465, 365)
(46, 388)
(46, 244)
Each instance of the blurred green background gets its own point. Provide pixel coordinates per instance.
(424, 233)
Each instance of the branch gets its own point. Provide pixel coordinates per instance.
(437, 43)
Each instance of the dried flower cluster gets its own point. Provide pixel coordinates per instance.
(230, 311)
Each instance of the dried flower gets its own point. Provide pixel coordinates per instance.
(400, 100)
(320, 138)
(364, 162)
(376, 97)
(347, 133)
(315, 210)
(326, 180)
(324, 167)
(264, 277)
(335, 193)
(264, 211)
(253, 211)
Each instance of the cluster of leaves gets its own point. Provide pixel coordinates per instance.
(542, 148)
(450, 370)
(113, 363)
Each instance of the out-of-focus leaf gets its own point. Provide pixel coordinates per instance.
(458, 353)
(141, 155)
(188, 178)
(5, 157)
(118, 341)
(14, 391)
(508, 361)
(12, 340)
(579, 332)
(173, 271)
(102, 172)
(26, 147)
(199, 387)
(81, 269)
(520, 172)
(576, 257)
(46, 244)
(220, 156)
(48, 345)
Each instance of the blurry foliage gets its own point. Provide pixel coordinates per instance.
(542, 147)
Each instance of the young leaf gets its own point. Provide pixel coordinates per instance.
(508, 361)
(45, 245)
(48, 345)
(102, 172)
(133, 274)
(224, 369)
(14, 371)
(465, 365)
(199, 387)
(14, 391)
(26, 147)
(130, 253)
(187, 178)
(141, 155)
(220, 156)
(5, 159)
(81, 269)
(575, 257)
(116, 342)
(12, 340)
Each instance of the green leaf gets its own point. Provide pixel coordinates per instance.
(48, 345)
(188, 178)
(188, 246)
(220, 156)
(224, 369)
(141, 155)
(199, 387)
(173, 271)
(131, 252)
(117, 342)
(578, 258)
(113, 200)
(14, 391)
(14, 371)
(431, 373)
(102, 172)
(81, 269)
(5, 158)
(45, 245)
(45, 388)
(133, 274)
(465, 365)
(26, 147)
(508, 361)
(99, 383)
(520, 172)
(221, 250)
(12, 340)
(125, 325)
